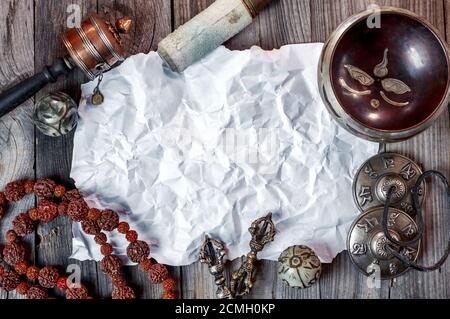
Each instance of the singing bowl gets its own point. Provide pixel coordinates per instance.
(385, 82)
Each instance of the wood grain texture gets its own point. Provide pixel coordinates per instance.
(16, 129)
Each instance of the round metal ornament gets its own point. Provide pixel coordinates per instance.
(366, 243)
(376, 176)
(299, 267)
(55, 114)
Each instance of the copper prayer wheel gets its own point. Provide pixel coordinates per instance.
(96, 45)
(384, 74)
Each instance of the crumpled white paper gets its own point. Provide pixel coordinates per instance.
(237, 135)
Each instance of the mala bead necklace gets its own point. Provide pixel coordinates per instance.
(93, 222)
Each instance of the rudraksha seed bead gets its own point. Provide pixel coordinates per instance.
(11, 236)
(29, 187)
(169, 295)
(37, 292)
(158, 273)
(44, 188)
(48, 277)
(101, 238)
(123, 293)
(62, 209)
(33, 213)
(119, 281)
(14, 191)
(138, 251)
(106, 249)
(3, 200)
(94, 214)
(23, 225)
(48, 211)
(21, 268)
(2, 212)
(131, 236)
(90, 227)
(61, 284)
(22, 288)
(72, 195)
(77, 210)
(10, 280)
(111, 265)
(33, 273)
(77, 293)
(123, 227)
(109, 220)
(2, 271)
(169, 284)
(145, 265)
(14, 253)
(59, 191)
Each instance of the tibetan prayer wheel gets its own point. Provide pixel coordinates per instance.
(384, 74)
(93, 47)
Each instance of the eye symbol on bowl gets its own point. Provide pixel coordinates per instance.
(390, 85)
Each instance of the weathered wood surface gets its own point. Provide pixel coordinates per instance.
(28, 41)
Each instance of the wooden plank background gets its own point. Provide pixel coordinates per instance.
(28, 41)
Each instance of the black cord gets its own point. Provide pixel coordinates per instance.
(420, 224)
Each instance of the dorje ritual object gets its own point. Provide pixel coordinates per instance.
(205, 32)
(55, 114)
(94, 47)
(385, 241)
(384, 74)
(212, 254)
(263, 232)
(299, 267)
(376, 176)
(54, 201)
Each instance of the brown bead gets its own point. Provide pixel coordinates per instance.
(29, 187)
(33, 213)
(78, 210)
(72, 195)
(22, 288)
(77, 293)
(48, 277)
(124, 293)
(145, 265)
(62, 283)
(48, 210)
(3, 200)
(33, 272)
(101, 238)
(37, 293)
(10, 281)
(169, 284)
(62, 209)
(14, 191)
(138, 251)
(94, 214)
(119, 281)
(21, 268)
(23, 225)
(14, 253)
(59, 191)
(44, 188)
(109, 220)
(111, 265)
(158, 273)
(90, 227)
(169, 295)
(2, 212)
(123, 227)
(11, 236)
(131, 236)
(106, 249)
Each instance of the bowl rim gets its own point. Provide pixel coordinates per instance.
(335, 107)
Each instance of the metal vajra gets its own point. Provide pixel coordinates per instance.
(263, 232)
(212, 254)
